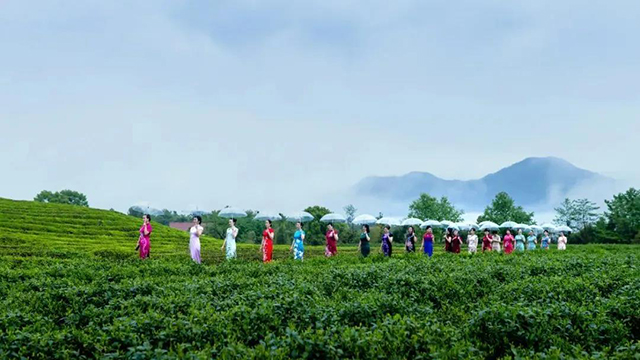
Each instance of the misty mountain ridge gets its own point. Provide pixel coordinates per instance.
(534, 183)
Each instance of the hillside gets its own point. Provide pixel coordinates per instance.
(532, 182)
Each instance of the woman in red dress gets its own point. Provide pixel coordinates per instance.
(267, 242)
(448, 237)
(486, 241)
(144, 241)
(508, 242)
(332, 241)
(456, 241)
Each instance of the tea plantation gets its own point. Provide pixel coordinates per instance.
(72, 287)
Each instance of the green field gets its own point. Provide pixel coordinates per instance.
(72, 287)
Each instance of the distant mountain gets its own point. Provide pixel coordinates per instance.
(533, 183)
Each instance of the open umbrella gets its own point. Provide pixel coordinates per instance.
(522, 227)
(462, 226)
(333, 217)
(508, 225)
(231, 212)
(445, 223)
(432, 223)
(564, 228)
(301, 216)
(473, 226)
(548, 227)
(489, 225)
(536, 229)
(411, 222)
(266, 215)
(389, 221)
(364, 219)
(453, 226)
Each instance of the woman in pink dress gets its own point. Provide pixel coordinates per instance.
(144, 243)
(508, 242)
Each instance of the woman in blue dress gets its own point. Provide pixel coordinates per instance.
(546, 240)
(519, 241)
(532, 241)
(387, 241)
(297, 246)
(427, 242)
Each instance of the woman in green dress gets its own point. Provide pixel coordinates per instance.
(363, 245)
(520, 241)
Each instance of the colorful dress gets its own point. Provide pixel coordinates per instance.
(495, 243)
(386, 244)
(456, 241)
(194, 243)
(298, 245)
(428, 244)
(508, 244)
(410, 243)
(267, 245)
(144, 242)
(447, 243)
(545, 242)
(472, 241)
(562, 243)
(531, 242)
(331, 248)
(486, 243)
(365, 247)
(520, 242)
(230, 244)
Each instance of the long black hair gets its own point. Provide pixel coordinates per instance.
(366, 228)
(199, 218)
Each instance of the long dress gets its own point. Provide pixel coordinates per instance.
(298, 245)
(410, 243)
(495, 243)
(520, 242)
(456, 241)
(428, 244)
(230, 244)
(365, 247)
(531, 242)
(386, 245)
(145, 241)
(194, 243)
(486, 243)
(447, 243)
(267, 247)
(472, 242)
(545, 242)
(331, 248)
(562, 243)
(508, 244)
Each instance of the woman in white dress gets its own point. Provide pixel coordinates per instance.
(495, 242)
(472, 241)
(562, 242)
(229, 244)
(194, 241)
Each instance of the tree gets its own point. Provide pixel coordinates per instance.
(503, 208)
(623, 214)
(350, 212)
(576, 214)
(314, 229)
(62, 197)
(428, 207)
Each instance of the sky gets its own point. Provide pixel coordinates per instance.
(277, 105)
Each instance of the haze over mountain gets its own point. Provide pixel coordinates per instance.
(535, 183)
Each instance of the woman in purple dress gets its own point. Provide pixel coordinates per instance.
(387, 241)
(144, 241)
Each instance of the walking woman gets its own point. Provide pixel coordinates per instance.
(363, 246)
(546, 240)
(448, 237)
(427, 241)
(486, 241)
(495, 242)
(532, 241)
(472, 241)
(562, 242)
(456, 241)
(331, 236)
(410, 242)
(229, 244)
(297, 246)
(144, 241)
(268, 235)
(194, 241)
(520, 241)
(508, 242)
(387, 241)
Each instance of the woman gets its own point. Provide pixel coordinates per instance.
(486, 241)
(495, 242)
(532, 241)
(519, 241)
(144, 241)
(508, 242)
(229, 243)
(456, 241)
(472, 241)
(331, 236)
(194, 241)
(297, 246)
(410, 242)
(546, 240)
(448, 237)
(363, 246)
(267, 241)
(387, 241)
(427, 242)
(562, 242)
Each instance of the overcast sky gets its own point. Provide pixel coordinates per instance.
(275, 104)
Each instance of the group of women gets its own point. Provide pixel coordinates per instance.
(452, 241)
